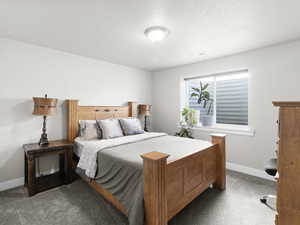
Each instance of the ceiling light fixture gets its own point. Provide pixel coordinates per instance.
(156, 33)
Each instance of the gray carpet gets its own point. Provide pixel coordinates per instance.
(78, 204)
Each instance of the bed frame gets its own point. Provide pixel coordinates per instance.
(169, 186)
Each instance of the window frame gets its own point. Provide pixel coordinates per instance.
(220, 127)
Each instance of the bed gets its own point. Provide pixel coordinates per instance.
(169, 179)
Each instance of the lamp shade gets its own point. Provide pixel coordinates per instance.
(44, 106)
(145, 109)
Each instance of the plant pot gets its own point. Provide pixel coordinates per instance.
(206, 120)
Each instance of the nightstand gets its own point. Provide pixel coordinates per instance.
(64, 176)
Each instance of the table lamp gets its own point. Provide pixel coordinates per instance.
(144, 110)
(44, 107)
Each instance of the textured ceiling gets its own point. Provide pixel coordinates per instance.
(112, 30)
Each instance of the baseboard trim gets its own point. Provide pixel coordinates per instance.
(230, 166)
(5, 185)
(249, 171)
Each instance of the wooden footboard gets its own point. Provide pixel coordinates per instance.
(169, 187)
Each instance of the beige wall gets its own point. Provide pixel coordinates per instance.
(27, 71)
(274, 75)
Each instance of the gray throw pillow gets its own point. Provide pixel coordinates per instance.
(89, 130)
(131, 126)
(110, 128)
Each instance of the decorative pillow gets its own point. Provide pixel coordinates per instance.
(110, 128)
(131, 126)
(89, 129)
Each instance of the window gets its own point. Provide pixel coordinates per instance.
(221, 98)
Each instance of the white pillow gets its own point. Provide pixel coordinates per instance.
(110, 128)
(88, 130)
(131, 126)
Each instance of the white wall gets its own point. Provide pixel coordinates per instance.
(274, 75)
(27, 71)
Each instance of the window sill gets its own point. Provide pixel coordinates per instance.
(227, 129)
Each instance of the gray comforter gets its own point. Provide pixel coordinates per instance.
(120, 169)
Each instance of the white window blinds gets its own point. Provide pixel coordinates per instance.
(232, 99)
(228, 94)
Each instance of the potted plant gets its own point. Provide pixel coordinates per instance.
(203, 99)
(190, 119)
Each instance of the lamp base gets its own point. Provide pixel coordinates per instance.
(44, 140)
(145, 125)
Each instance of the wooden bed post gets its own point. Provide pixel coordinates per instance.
(155, 198)
(132, 109)
(72, 108)
(221, 161)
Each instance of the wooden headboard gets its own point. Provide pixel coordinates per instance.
(77, 112)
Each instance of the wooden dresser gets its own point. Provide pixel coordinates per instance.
(288, 192)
